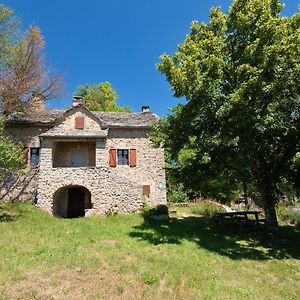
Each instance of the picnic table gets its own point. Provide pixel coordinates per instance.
(240, 217)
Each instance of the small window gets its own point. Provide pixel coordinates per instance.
(123, 157)
(146, 190)
(34, 156)
(79, 123)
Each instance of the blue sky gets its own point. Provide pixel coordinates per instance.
(119, 41)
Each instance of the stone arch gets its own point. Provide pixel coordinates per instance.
(71, 201)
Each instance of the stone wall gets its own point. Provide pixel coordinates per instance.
(109, 191)
(150, 161)
(26, 134)
(22, 187)
(116, 189)
(90, 122)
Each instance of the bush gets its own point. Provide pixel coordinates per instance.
(286, 216)
(177, 194)
(206, 209)
(148, 211)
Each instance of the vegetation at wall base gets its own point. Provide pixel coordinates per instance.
(148, 211)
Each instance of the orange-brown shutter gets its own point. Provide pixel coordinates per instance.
(25, 152)
(113, 158)
(146, 190)
(79, 123)
(132, 158)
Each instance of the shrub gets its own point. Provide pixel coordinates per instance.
(177, 195)
(286, 216)
(148, 211)
(206, 209)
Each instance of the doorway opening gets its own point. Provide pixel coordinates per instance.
(71, 202)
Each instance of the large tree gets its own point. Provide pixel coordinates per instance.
(24, 75)
(240, 75)
(100, 97)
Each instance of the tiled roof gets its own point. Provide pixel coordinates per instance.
(47, 116)
(125, 119)
(108, 119)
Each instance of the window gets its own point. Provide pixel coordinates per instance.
(79, 123)
(123, 157)
(34, 156)
(126, 157)
(146, 190)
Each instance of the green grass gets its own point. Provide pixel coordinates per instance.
(42, 257)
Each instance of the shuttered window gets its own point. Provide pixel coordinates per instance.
(79, 123)
(132, 157)
(113, 158)
(146, 190)
(25, 153)
(123, 157)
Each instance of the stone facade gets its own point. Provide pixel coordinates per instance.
(111, 189)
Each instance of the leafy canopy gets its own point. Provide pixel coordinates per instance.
(240, 75)
(100, 97)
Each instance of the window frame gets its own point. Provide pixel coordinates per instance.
(38, 154)
(123, 161)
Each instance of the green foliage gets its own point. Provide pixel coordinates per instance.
(240, 75)
(11, 159)
(147, 211)
(286, 216)
(206, 208)
(100, 97)
(9, 33)
(176, 194)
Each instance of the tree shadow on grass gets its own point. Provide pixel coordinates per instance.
(221, 240)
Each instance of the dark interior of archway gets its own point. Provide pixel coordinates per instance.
(76, 203)
(71, 202)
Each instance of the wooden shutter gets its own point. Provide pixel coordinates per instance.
(79, 123)
(132, 158)
(113, 158)
(146, 190)
(25, 153)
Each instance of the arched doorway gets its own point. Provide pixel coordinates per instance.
(71, 201)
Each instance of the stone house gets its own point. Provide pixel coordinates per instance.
(82, 161)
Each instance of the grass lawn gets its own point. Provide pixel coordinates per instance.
(121, 257)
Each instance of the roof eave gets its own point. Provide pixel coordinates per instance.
(74, 136)
(129, 127)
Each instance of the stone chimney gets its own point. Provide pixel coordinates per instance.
(37, 103)
(78, 101)
(145, 108)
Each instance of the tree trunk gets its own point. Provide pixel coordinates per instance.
(271, 218)
(245, 188)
